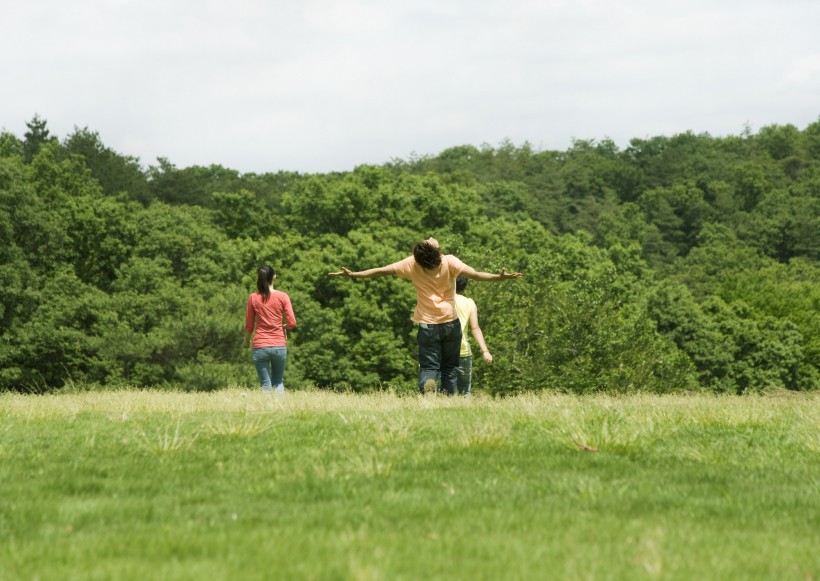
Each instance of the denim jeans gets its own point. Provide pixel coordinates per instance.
(270, 367)
(439, 348)
(465, 375)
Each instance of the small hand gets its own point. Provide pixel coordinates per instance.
(487, 357)
(505, 274)
(343, 272)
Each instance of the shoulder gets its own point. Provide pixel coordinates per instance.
(465, 301)
(254, 302)
(405, 265)
(453, 262)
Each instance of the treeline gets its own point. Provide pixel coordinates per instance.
(683, 262)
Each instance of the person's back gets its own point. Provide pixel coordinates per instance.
(267, 314)
(433, 275)
(465, 306)
(270, 318)
(468, 314)
(435, 289)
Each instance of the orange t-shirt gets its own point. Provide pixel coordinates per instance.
(435, 289)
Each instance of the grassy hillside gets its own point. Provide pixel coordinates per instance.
(316, 485)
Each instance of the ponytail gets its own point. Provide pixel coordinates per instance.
(264, 278)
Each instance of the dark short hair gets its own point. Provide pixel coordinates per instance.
(426, 255)
(461, 284)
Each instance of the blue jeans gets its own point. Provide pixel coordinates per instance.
(465, 375)
(439, 348)
(270, 367)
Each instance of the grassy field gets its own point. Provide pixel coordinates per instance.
(237, 485)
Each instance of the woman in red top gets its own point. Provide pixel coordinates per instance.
(269, 312)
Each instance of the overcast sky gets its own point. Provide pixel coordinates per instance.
(324, 85)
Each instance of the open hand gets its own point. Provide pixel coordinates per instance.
(505, 274)
(343, 272)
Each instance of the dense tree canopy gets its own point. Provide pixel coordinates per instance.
(681, 262)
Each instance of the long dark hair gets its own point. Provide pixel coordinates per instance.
(264, 278)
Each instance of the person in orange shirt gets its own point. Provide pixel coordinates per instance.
(434, 275)
(268, 313)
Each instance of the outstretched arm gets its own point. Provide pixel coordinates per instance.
(472, 273)
(369, 273)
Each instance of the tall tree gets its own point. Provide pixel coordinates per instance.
(35, 137)
(117, 174)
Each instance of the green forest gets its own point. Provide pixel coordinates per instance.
(684, 262)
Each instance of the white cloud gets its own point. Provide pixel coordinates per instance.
(324, 85)
(805, 72)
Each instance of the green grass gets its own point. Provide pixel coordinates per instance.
(228, 485)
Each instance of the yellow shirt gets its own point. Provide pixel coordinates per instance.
(465, 307)
(435, 289)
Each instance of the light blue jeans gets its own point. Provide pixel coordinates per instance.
(465, 375)
(270, 367)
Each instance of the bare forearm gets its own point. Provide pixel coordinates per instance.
(481, 275)
(478, 275)
(479, 338)
(369, 273)
(485, 352)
